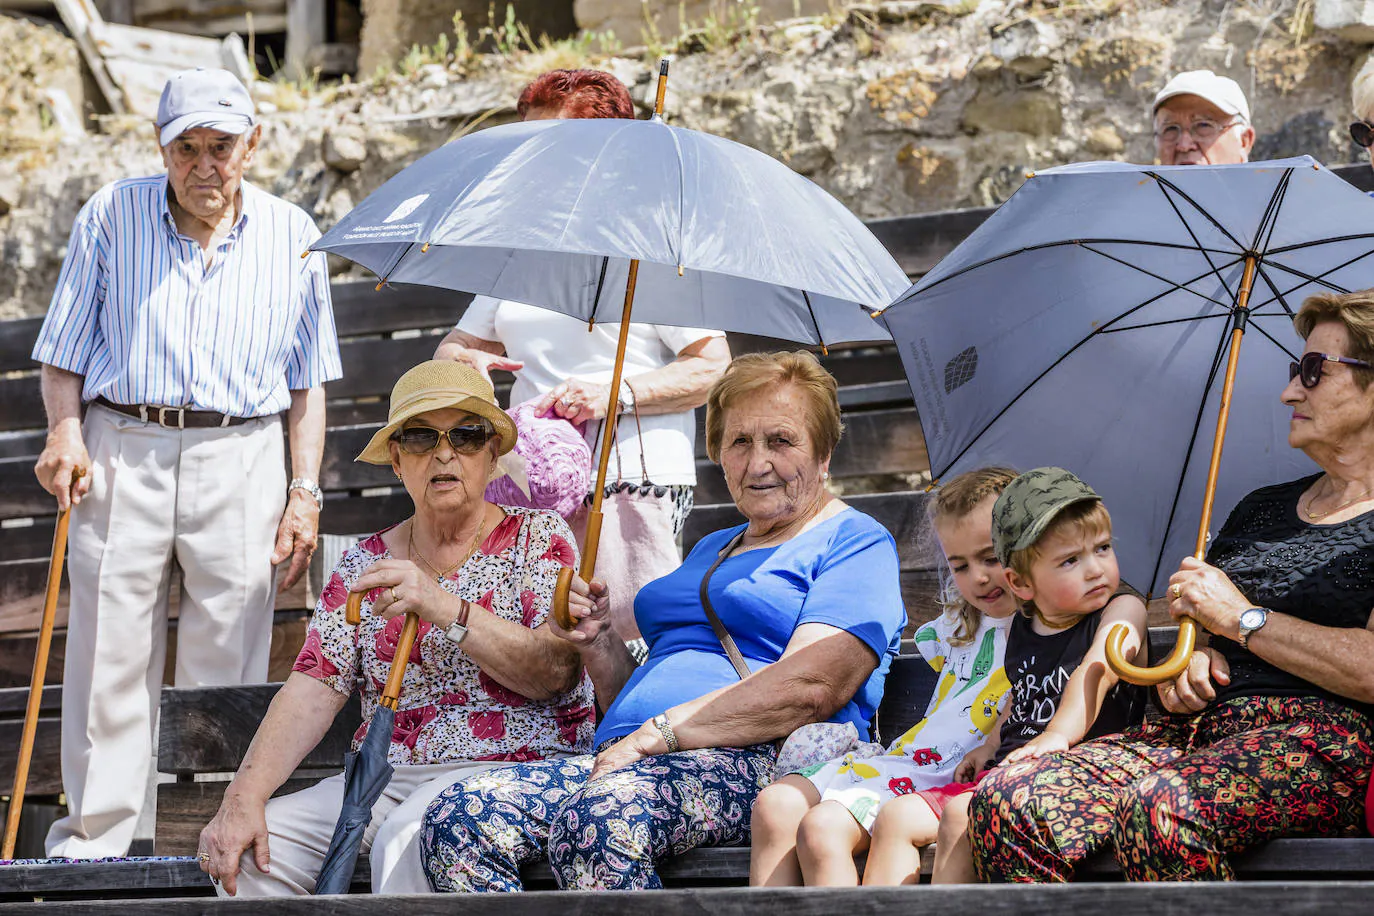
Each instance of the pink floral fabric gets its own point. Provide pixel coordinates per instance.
(450, 709)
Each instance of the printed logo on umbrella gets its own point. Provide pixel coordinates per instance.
(406, 207)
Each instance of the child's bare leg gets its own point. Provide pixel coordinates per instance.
(827, 842)
(953, 854)
(777, 815)
(904, 826)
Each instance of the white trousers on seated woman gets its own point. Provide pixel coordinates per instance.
(300, 826)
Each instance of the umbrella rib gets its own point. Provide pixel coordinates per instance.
(1158, 324)
(1264, 275)
(1319, 278)
(1299, 246)
(582, 188)
(600, 283)
(1163, 186)
(1105, 328)
(1176, 286)
(681, 191)
(1270, 220)
(1272, 339)
(1188, 454)
(820, 339)
(1196, 206)
(1062, 242)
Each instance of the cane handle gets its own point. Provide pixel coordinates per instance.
(353, 610)
(1170, 668)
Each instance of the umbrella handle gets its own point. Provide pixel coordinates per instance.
(40, 670)
(353, 610)
(561, 611)
(1170, 668)
(391, 694)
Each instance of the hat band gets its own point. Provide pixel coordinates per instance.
(428, 393)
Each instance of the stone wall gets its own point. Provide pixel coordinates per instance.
(392, 27)
(902, 107)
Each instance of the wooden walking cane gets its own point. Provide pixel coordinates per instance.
(40, 670)
(592, 539)
(1178, 660)
(391, 694)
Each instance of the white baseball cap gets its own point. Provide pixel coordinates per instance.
(1221, 91)
(203, 98)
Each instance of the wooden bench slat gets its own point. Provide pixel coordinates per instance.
(359, 308)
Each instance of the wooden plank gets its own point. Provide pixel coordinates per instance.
(371, 366)
(23, 400)
(13, 703)
(79, 16)
(184, 808)
(45, 770)
(17, 337)
(360, 308)
(208, 729)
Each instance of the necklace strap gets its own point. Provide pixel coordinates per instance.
(442, 575)
(1047, 622)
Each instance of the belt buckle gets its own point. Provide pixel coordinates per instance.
(180, 421)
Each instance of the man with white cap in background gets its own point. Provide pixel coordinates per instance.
(184, 324)
(1202, 119)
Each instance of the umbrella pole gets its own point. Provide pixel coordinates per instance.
(593, 535)
(40, 670)
(1178, 660)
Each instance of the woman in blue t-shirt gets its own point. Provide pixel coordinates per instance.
(809, 615)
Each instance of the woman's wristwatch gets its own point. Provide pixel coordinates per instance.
(457, 631)
(665, 729)
(1251, 619)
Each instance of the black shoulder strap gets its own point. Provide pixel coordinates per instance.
(727, 642)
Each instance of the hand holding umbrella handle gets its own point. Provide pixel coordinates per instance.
(1170, 668)
(40, 670)
(391, 694)
(561, 612)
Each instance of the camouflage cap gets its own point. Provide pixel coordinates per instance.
(1029, 503)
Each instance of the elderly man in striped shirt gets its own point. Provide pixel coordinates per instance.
(184, 324)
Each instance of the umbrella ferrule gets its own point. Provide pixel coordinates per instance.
(1242, 317)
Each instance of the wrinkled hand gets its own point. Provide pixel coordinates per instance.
(63, 452)
(297, 535)
(1192, 691)
(1207, 595)
(590, 607)
(239, 824)
(408, 589)
(1041, 745)
(576, 401)
(484, 362)
(972, 764)
(644, 741)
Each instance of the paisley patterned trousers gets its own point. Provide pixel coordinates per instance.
(606, 835)
(1177, 797)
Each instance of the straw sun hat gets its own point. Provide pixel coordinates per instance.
(435, 385)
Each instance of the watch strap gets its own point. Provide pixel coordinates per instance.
(665, 729)
(309, 486)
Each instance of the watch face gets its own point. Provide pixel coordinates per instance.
(1252, 618)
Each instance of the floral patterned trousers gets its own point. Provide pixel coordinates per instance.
(606, 835)
(1178, 796)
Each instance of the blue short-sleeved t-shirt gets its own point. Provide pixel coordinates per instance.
(843, 572)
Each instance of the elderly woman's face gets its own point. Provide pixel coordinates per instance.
(1337, 409)
(769, 458)
(444, 479)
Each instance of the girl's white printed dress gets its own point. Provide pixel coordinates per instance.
(968, 698)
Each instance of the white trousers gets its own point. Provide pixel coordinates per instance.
(206, 502)
(300, 826)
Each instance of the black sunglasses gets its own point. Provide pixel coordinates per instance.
(1362, 132)
(1309, 368)
(468, 439)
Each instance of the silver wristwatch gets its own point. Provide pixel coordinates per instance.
(625, 398)
(665, 729)
(456, 633)
(1251, 619)
(309, 486)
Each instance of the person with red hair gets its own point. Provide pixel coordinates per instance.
(575, 94)
(567, 372)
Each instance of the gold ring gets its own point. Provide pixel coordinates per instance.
(204, 857)
(394, 599)
(1177, 590)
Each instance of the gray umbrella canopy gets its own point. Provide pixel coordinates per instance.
(1086, 324)
(550, 213)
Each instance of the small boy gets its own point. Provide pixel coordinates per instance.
(1054, 536)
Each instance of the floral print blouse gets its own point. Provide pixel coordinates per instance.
(449, 708)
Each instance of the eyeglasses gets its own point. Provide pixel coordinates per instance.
(1309, 368)
(465, 440)
(1204, 131)
(1362, 132)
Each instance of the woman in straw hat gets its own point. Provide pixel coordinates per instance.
(487, 681)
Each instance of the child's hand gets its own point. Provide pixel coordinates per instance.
(972, 764)
(1039, 746)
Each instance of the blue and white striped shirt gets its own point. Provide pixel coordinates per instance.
(138, 314)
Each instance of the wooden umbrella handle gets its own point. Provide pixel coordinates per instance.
(36, 679)
(561, 612)
(395, 680)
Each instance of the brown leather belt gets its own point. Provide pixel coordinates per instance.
(173, 417)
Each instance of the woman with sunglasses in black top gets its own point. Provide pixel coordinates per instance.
(487, 682)
(1271, 732)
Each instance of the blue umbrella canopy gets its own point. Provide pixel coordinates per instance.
(551, 213)
(1087, 324)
